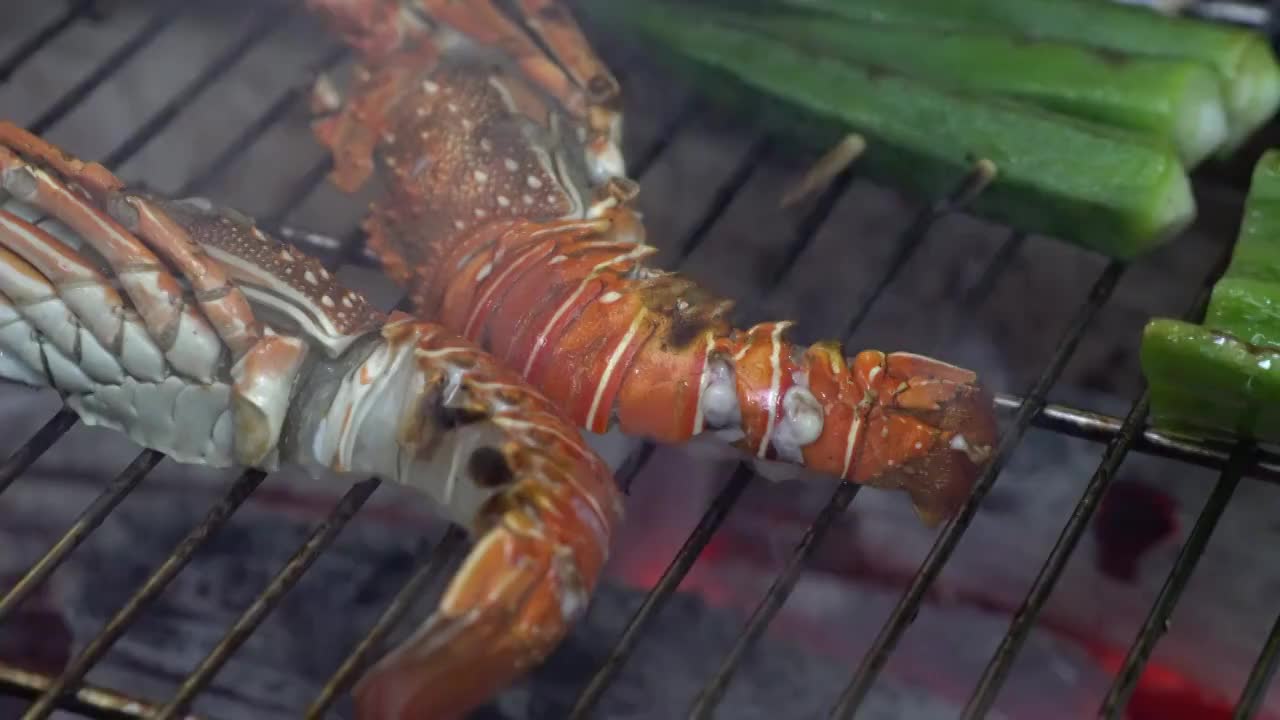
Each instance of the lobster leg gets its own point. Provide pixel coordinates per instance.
(88, 295)
(502, 614)
(264, 368)
(191, 345)
(558, 29)
(484, 23)
(588, 91)
(36, 299)
(353, 129)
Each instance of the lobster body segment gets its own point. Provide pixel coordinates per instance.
(543, 264)
(226, 347)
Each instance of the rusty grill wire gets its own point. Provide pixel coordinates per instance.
(1121, 436)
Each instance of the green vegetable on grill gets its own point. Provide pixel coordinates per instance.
(1209, 384)
(1244, 60)
(1098, 186)
(1172, 100)
(1222, 379)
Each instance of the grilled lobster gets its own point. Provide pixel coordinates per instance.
(507, 226)
(190, 330)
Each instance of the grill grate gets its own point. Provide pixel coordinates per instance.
(1121, 436)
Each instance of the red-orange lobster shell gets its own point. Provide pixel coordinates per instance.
(503, 223)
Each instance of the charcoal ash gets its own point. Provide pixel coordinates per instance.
(284, 664)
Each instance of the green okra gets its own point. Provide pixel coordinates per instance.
(1244, 60)
(1222, 378)
(1084, 182)
(1209, 384)
(1246, 301)
(1172, 100)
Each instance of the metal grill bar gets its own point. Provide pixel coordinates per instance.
(43, 36)
(88, 701)
(634, 463)
(909, 241)
(234, 53)
(1101, 428)
(321, 537)
(984, 171)
(886, 641)
(97, 512)
(1255, 688)
(88, 521)
(1157, 622)
(657, 598)
(430, 569)
(260, 125)
(986, 283)
(300, 191)
(31, 450)
(144, 37)
(80, 665)
(66, 419)
(146, 460)
(160, 579)
(997, 670)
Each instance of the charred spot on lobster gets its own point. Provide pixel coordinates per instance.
(692, 309)
(489, 468)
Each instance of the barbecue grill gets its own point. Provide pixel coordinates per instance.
(340, 247)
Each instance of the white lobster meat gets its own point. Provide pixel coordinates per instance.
(190, 330)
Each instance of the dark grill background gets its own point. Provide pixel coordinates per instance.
(205, 98)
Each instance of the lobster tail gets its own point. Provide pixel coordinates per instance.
(613, 342)
(511, 226)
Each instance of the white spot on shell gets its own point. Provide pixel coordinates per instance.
(486, 145)
(430, 87)
(310, 277)
(610, 297)
(484, 272)
(452, 108)
(459, 224)
(326, 301)
(528, 199)
(324, 274)
(503, 201)
(346, 301)
(919, 446)
(558, 259)
(481, 212)
(511, 165)
(285, 256)
(467, 124)
(481, 176)
(534, 182)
